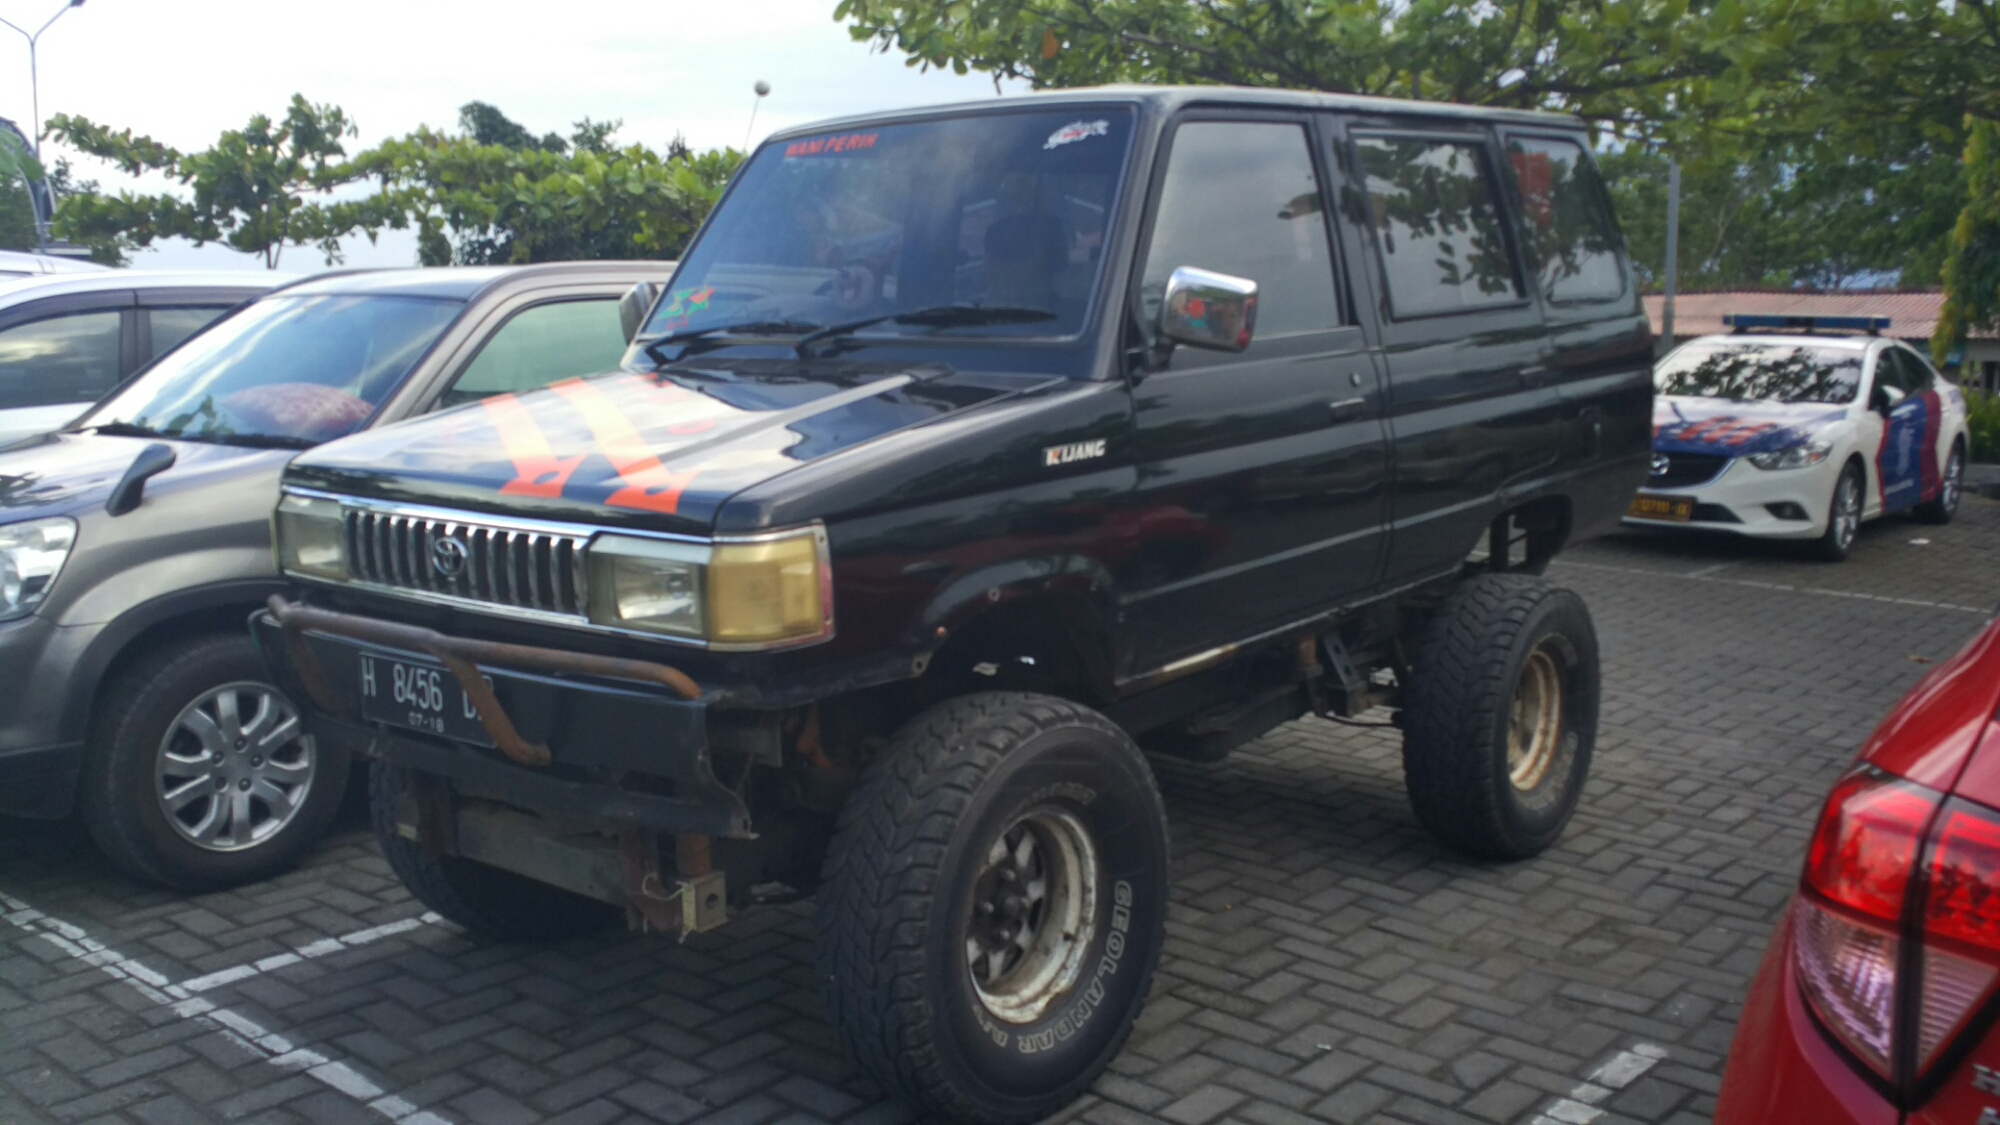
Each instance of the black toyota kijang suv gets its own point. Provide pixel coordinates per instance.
(969, 452)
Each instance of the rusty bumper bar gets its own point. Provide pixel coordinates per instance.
(461, 656)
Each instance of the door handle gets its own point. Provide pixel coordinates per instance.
(1346, 408)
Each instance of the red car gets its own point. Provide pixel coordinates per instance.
(1876, 1000)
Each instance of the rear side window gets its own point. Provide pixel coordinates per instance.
(171, 326)
(542, 345)
(1437, 223)
(1241, 198)
(58, 360)
(1571, 239)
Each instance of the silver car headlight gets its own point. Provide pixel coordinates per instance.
(308, 535)
(1797, 457)
(756, 592)
(32, 553)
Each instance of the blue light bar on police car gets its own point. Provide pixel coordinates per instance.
(1745, 322)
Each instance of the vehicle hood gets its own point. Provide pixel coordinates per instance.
(658, 449)
(1682, 424)
(66, 473)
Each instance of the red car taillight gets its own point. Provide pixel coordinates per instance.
(1902, 893)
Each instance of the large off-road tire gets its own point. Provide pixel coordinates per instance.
(483, 899)
(1843, 517)
(993, 906)
(1501, 715)
(198, 773)
(1951, 482)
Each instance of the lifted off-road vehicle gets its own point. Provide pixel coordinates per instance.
(969, 453)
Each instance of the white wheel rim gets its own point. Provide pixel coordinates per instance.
(1032, 914)
(1534, 721)
(1846, 514)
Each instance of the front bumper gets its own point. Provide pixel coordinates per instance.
(1745, 500)
(41, 746)
(578, 738)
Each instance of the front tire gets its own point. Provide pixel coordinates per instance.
(1500, 717)
(1951, 483)
(993, 906)
(198, 772)
(1843, 518)
(482, 898)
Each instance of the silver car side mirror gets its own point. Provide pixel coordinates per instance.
(634, 305)
(1208, 309)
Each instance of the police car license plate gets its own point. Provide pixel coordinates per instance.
(422, 697)
(1678, 509)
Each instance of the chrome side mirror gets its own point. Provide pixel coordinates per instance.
(634, 305)
(1208, 309)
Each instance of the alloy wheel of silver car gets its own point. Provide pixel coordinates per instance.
(234, 767)
(1845, 511)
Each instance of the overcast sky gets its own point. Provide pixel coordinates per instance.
(182, 71)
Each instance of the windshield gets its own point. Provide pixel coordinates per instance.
(995, 209)
(285, 369)
(1763, 372)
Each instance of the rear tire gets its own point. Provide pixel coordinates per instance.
(1843, 518)
(1951, 483)
(993, 906)
(1500, 717)
(481, 898)
(197, 773)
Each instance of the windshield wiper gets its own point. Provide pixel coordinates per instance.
(254, 441)
(936, 316)
(127, 429)
(705, 338)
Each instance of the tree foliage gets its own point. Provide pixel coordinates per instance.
(18, 168)
(252, 190)
(476, 201)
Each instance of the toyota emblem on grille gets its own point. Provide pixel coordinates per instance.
(448, 558)
(1661, 464)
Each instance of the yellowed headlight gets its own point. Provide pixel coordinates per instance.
(309, 537)
(770, 591)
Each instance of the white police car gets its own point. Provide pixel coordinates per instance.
(1782, 431)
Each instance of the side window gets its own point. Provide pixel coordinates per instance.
(1892, 377)
(1919, 375)
(1241, 198)
(1437, 222)
(171, 326)
(58, 360)
(543, 345)
(1571, 239)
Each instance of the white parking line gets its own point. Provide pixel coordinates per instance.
(246, 1033)
(1703, 576)
(1580, 1107)
(306, 952)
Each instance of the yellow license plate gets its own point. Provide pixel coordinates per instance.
(1678, 509)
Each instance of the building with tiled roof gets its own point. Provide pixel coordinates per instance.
(1912, 314)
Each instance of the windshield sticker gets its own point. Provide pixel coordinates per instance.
(682, 304)
(1076, 131)
(847, 142)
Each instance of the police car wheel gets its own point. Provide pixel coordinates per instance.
(993, 906)
(1951, 483)
(1843, 518)
(1500, 716)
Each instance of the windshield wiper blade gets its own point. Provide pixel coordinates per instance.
(127, 429)
(936, 316)
(708, 336)
(255, 441)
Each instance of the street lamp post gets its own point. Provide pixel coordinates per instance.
(35, 99)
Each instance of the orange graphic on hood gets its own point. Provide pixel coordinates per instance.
(537, 469)
(648, 483)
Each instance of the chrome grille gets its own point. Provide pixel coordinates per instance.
(501, 566)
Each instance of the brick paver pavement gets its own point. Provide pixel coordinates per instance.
(1326, 960)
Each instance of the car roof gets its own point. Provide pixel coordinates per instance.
(18, 260)
(1166, 99)
(61, 284)
(465, 282)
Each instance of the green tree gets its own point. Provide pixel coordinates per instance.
(18, 169)
(253, 190)
(474, 202)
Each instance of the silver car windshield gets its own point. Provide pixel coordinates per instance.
(993, 210)
(286, 370)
